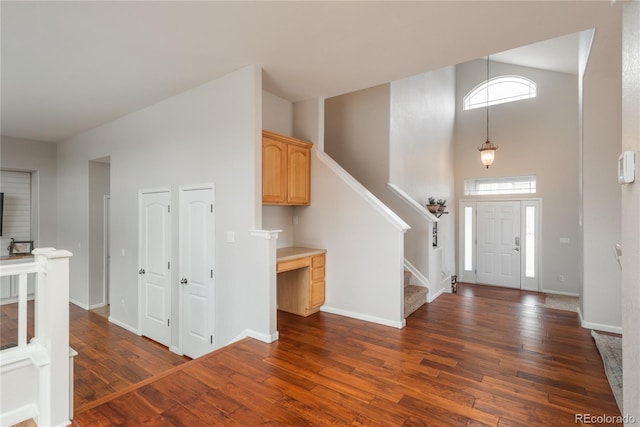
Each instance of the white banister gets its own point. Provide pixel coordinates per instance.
(35, 377)
(411, 202)
(22, 310)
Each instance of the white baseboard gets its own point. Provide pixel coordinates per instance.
(248, 333)
(79, 304)
(431, 298)
(18, 415)
(125, 326)
(262, 337)
(99, 305)
(176, 350)
(568, 294)
(365, 317)
(599, 326)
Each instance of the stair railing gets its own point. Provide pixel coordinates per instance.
(35, 376)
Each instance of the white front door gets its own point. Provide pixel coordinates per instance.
(498, 243)
(154, 266)
(197, 240)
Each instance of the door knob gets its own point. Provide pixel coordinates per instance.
(516, 249)
(183, 281)
(141, 271)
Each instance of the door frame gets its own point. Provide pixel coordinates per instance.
(181, 190)
(469, 276)
(141, 192)
(106, 239)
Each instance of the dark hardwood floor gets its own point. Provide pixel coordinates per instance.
(484, 356)
(111, 359)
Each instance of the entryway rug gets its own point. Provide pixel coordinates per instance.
(610, 348)
(561, 302)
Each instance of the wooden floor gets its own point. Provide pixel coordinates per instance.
(111, 359)
(484, 356)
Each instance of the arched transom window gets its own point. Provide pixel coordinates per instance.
(498, 90)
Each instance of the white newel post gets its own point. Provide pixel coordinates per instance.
(52, 326)
(268, 264)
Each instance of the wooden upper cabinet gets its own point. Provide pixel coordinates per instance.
(286, 167)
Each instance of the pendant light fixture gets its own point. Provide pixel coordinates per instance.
(487, 150)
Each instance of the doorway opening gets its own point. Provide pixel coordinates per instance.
(99, 235)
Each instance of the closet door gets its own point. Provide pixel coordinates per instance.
(197, 241)
(154, 265)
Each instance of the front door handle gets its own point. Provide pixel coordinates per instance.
(184, 281)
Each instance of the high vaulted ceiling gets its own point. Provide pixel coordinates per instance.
(70, 66)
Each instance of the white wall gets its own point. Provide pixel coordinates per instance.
(277, 116)
(631, 211)
(41, 159)
(422, 129)
(364, 251)
(601, 299)
(539, 137)
(402, 133)
(364, 246)
(421, 160)
(209, 134)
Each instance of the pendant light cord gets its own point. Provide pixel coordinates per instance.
(487, 98)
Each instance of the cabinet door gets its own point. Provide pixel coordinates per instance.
(274, 171)
(298, 171)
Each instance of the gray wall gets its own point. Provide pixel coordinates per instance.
(209, 134)
(631, 211)
(99, 186)
(41, 159)
(600, 302)
(357, 135)
(421, 159)
(539, 137)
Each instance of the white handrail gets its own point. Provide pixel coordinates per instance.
(22, 268)
(412, 203)
(365, 194)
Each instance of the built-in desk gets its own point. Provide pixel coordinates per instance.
(300, 279)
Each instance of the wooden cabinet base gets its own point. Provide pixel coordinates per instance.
(301, 282)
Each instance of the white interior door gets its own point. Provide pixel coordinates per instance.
(197, 240)
(498, 243)
(155, 273)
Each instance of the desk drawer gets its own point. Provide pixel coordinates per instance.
(292, 265)
(317, 261)
(316, 294)
(317, 274)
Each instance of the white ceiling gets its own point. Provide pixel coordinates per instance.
(70, 66)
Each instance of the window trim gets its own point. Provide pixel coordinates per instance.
(485, 88)
(519, 185)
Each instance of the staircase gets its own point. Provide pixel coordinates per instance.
(414, 296)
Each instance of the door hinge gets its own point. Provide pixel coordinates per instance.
(168, 322)
(211, 339)
(211, 207)
(212, 274)
(168, 265)
(168, 208)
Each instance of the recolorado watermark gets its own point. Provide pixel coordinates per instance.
(604, 419)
